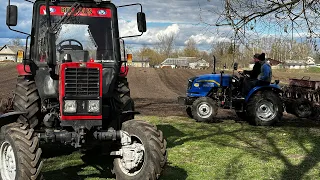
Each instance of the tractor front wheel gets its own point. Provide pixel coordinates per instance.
(19, 153)
(264, 109)
(204, 109)
(148, 154)
(26, 99)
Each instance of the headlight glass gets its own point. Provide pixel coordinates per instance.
(93, 106)
(196, 84)
(70, 106)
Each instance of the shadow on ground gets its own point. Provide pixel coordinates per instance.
(95, 165)
(309, 132)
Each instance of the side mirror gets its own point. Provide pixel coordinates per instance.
(12, 15)
(142, 23)
(235, 66)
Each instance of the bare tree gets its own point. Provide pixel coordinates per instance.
(15, 42)
(295, 17)
(165, 44)
(191, 49)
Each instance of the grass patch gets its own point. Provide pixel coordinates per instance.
(226, 150)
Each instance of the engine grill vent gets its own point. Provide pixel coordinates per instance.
(82, 82)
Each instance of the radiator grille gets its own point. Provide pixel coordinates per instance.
(82, 82)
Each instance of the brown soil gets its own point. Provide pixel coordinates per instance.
(154, 91)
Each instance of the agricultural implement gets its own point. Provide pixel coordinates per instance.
(302, 97)
(72, 88)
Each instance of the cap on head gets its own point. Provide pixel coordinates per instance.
(262, 57)
(256, 56)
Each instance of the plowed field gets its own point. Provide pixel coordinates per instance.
(155, 91)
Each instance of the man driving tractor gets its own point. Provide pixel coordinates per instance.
(260, 75)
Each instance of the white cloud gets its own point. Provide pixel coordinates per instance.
(181, 17)
(206, 39)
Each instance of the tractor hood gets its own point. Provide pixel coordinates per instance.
(214, 78)
(201, 85)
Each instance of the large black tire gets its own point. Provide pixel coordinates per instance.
(302, 108)
(20, 145)
(125, 102)
(155, 156)
(189, 112)
(204, 109)
(26, 99)
(264, 109)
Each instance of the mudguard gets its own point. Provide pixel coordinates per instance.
(10, 117)
(273, 87)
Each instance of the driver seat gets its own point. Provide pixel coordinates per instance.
(77, 53)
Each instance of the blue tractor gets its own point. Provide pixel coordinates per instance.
(262, 106)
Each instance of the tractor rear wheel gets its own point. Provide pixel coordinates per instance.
(19, 153)
(125, 102)
(264, 109)
(26, 99)
(204, 109)
(149, 155)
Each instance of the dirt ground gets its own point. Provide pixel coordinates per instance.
(154, 91)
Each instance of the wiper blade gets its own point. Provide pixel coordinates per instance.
(73, 9)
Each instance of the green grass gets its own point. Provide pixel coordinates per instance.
(225, 150)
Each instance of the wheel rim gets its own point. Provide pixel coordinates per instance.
(266, 111)
(7, 162)
(137, 162)
(204, 110)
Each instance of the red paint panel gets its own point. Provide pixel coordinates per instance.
(22, 70)
(62, 88)
(90, 12)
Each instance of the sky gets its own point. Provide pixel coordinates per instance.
(181, 17)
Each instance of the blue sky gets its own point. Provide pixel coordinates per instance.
(180, 17)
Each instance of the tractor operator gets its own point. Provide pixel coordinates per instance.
(261, 76)
(254, 73)
(250, 80)
(264, 78)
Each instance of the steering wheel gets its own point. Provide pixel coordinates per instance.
(73, 47)
(243, 74)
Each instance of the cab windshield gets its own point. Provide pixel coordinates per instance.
(84, 34)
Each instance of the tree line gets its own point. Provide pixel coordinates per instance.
(227, 52)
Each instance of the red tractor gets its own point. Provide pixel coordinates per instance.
(72, 89)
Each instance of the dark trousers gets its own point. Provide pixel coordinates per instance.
(248, 84)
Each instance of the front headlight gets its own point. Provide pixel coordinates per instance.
(93, 106)
(70, 106)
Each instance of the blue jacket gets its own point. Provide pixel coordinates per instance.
(266, 73)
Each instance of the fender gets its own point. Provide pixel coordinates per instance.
(10, 117)
(273, 87)
(23, 69)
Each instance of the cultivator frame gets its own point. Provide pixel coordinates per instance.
(302, 97)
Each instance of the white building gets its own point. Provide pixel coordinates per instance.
(185, 62)
(201, 64)
(9, 53)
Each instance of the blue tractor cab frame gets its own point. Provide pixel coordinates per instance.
(209, 92)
